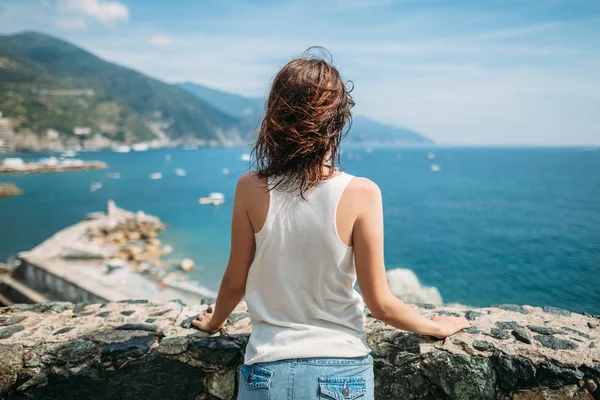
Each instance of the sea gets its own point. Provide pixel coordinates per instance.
(484, 225)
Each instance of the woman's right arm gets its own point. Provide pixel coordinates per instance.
(367, 238)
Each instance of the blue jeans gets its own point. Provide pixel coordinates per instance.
(308, 378)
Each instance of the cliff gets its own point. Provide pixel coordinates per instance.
(135, 349)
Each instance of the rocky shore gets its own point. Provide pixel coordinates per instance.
(132, 242)
(136, 349)
(9, 190)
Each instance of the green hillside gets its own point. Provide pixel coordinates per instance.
(122, 101)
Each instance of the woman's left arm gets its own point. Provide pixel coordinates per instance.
(243, 247)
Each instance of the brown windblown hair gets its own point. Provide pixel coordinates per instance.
(306, 112)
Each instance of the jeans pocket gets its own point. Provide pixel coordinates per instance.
(255, 382)
(342, 388)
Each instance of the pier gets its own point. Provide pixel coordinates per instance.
(51, 164)
(73, 265)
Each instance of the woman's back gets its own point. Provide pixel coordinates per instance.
(300, 287)
(294, 220)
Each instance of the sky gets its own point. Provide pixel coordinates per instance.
(463, 72)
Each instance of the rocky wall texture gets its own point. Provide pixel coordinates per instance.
(139, 350)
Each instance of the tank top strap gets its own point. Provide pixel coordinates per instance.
(336, 186)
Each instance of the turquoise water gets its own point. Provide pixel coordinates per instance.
(493, 226)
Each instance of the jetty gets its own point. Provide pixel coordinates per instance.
(49, 164)
(109, 256)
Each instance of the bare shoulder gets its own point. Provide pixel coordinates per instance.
(251, 186)
(364, 188)
(250, 180)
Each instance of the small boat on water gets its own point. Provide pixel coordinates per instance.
(225, 171)
(123, 148)
(435, 168)
(113, 175)
(167, 157)
(369, 149)
(180, 172)
(95, 186)
(245, 157)
(68, 153)
(140, 147)
(215, 198)
(430, 156)
(156, 176)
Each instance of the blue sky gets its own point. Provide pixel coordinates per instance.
(491, 72)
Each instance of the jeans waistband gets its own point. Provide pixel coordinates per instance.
(365, 360)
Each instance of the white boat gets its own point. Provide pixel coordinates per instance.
(225, 171)
(435, 168)
(167, 157)
(369, 149)
(215, 198)
(245, 157)
(68, 153)
(113, 175)
(430, 156)
(95, 186)
(180, 172)
(140, 147)
(123, 148)
(156, 176)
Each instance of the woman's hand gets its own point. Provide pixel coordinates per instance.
(449, 325)
(203, 322)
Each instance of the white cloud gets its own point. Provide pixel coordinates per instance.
(107, 12)
(160, 41)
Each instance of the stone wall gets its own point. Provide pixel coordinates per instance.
(139, 350)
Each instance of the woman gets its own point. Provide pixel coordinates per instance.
(302, 232)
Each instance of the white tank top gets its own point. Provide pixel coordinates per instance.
(300, 289)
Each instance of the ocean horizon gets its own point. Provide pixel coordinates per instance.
(485, 225)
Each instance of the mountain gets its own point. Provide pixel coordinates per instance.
(47, 83)
(363, 130)
(232, 104)
(368, 131)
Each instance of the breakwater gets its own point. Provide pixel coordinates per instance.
(136, 349)
(30, 168)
